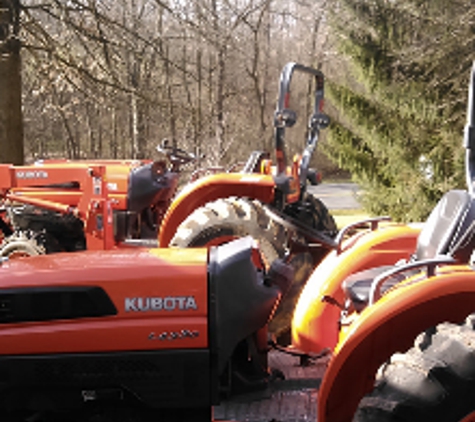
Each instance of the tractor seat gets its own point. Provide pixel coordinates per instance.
(448, 231)
(357, 286)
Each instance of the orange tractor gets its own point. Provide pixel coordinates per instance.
(134, 334)
(382, 291)
(62, 205)
(143, 334)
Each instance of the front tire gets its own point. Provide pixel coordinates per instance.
(434, 381)
(20, 246)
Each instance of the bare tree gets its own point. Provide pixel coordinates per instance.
(112, 78)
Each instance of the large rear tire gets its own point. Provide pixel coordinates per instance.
(226, 219)
(434, 381)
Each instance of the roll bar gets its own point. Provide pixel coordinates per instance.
(469, 135)
(284, 117)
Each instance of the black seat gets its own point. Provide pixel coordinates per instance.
(448, 231)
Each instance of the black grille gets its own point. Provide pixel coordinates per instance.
(50, 303)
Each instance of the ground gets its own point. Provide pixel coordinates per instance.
(291, 400)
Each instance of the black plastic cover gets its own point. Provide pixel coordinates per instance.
(357, 286)
(143, 187)
(240, 302)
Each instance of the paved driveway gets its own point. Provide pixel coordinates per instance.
(337, 195)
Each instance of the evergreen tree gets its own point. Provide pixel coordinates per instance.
(401, 105)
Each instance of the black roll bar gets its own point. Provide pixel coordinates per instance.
(469, 135)
(284, 117)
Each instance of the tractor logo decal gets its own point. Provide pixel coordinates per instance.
(32, 174)
(169, 303)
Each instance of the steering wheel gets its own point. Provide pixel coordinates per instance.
(175, 155)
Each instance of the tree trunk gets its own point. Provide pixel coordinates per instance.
(11, 124)
(114, 144)
(220, 123)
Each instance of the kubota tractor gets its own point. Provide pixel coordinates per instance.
(382, 291)
(269, 202)
(62, 205)
(134, 334)
(55, 206)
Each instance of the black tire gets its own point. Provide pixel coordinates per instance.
(228, 218)
(322, 220)
(237, 217)
(434, 381)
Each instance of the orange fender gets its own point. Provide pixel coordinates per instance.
(210, 188)
(315, 324)
(389, 326)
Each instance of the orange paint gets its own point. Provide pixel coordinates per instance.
(315, 324)
(210, 188)
(122, 274)
(389, 326)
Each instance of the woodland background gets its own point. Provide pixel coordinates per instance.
(112, 78)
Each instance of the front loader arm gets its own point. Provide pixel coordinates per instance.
(390, 326)
(210, 188)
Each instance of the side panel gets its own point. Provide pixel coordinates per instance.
(210, 188)
(5, 176)
(28, 180)
(315, 324)
(160, 297)
(389, 326)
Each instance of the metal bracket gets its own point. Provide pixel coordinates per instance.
(374, 223)
(308, 232)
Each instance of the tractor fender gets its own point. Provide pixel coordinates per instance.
(315, 324)
(390, 326)
(210, 188)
